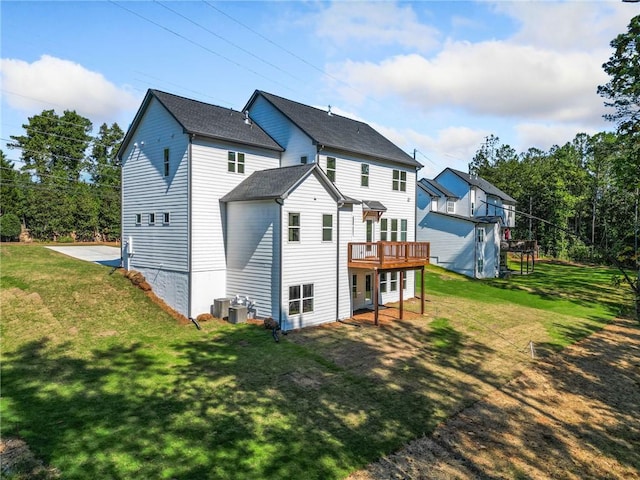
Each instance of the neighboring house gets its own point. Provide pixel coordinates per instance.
(465, 219)
(284, 203)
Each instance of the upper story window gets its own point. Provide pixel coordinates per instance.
(434, 204)
(399, 181)
(331, 168)
(294, 227)
(480, 234)
(327, 228)
(451, 206)
(235, 162)
(152, 219)
(364, 175)
(304, 159)
(166, 164)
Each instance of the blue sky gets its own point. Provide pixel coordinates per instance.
(433, 76)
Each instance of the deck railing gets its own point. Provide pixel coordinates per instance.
(388, 254)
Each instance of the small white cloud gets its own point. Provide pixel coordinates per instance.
(373, 24)
(54, 83)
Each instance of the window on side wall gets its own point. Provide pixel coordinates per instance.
(166, 162)
(480, 265)
(138, 219)
(480, 234)
(393, 284)
(166, 218)
(294, 227)
(394, 229)
(235, 162)
(383, 282)
(304, 159)
(331, 168)
(327, 228)
(403, 230)
(451, 206)
(364, 175)
(300, 299)
(399, 182)
(152, 219)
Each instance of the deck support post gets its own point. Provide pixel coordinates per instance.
(422, 290)
(375, 296)
(401, 294)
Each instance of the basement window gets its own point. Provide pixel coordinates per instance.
(300, 299)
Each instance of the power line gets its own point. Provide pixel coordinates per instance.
(18, 147)
(227, 41)
(193, 42)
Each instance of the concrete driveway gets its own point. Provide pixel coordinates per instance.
(102, 254)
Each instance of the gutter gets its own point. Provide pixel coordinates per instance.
(189, 224)
(280, 202)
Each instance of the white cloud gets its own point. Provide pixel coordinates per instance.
(544, 135)
(568, 25)
(54, 83)
(449, 147)
(488, 78)
(373, 24)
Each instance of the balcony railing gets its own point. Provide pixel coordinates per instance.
(518, 245)
(388, 255)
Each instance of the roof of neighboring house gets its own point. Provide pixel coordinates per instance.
(276, 183)
(481, 183)
(434, 188)
(476, 220)
(207, 120)
(338, 132)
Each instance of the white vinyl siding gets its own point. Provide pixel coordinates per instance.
(296, 143)
(146, 190)
(311, 260)
(254, 254)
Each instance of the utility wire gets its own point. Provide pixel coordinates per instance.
(193, 42)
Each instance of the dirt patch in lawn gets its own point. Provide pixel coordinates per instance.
(572, 415)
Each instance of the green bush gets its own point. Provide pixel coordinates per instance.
(65, 239)
(10, 227)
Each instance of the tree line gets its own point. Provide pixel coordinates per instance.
(67, 187)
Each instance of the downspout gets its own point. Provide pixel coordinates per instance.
(280, 202)
(338, 261)
(189, 224)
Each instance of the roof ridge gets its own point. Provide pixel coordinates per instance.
(155, 91)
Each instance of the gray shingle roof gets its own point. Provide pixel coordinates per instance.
(436, 188)
(271, 184)
(373, 206)
(338, 132)
(481, 183)
(215, 122)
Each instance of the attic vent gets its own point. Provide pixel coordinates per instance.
(247, 120)
(329, 111)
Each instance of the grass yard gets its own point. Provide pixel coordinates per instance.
(101, 383)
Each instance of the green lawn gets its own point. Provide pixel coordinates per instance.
(102, 383)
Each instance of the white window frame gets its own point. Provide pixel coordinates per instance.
(451, 206)
(327, 228)
(394, 230)
(152, 218)
(399, 181)
(138, 219)
(480, 265)
(302, 296)
(364, 175)
(331, 170)
(384, 226)
(403, 229)
(384, 280)
(393, 282)
(293, 227)
(235, 162)
(166, 218)
(480, 235)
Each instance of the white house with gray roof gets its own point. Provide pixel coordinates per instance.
(464, 218)
(310, 214)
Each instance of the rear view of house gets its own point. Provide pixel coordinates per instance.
(282, 202)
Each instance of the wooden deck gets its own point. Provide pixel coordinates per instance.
(388, 255)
